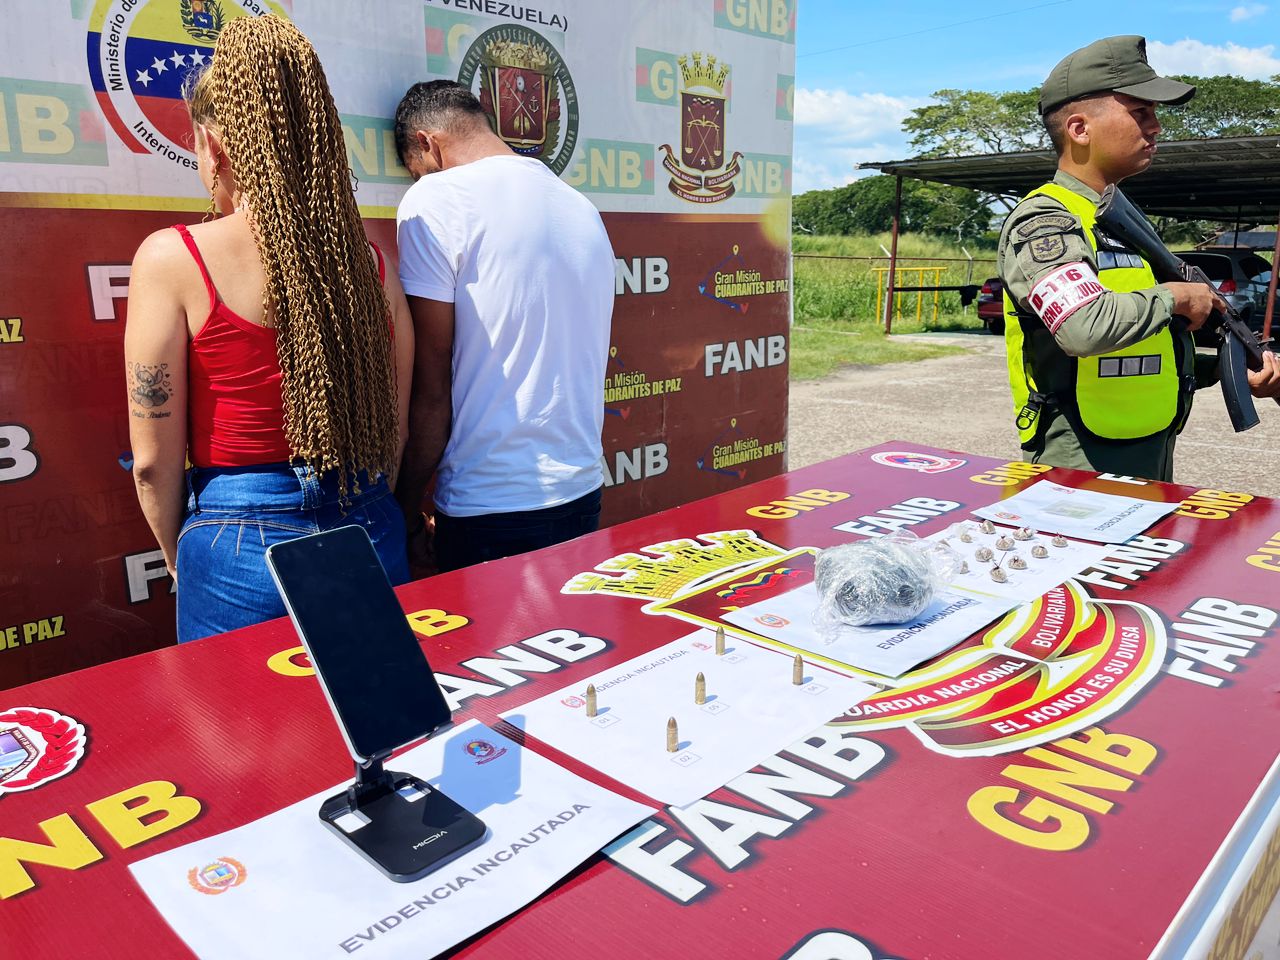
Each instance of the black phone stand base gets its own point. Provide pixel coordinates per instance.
(402, 825)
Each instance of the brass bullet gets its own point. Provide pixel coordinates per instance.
(797, 671)
(673, 736)
(700, 689)
(719, 641)
(591, 699)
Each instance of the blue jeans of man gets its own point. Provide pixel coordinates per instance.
(463, 541)
(235, 513)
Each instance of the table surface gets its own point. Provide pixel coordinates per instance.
(920, 838)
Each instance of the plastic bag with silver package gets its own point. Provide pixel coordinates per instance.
(889, 580)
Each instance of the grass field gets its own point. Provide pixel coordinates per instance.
(836, 323)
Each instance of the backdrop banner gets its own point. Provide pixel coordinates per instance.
(673, 116)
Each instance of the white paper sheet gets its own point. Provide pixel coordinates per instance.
(1083, 514)
(752, 711)
(286, 887)
(1040, 575)
(887, 649)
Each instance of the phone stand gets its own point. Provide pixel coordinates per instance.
(402, 825)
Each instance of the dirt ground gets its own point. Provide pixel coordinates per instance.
(962, 403)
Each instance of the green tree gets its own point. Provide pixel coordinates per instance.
(1224, 107)
(824, 211)
(866, 206)
(965, 122)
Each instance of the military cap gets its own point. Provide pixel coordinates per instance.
(1110, 65)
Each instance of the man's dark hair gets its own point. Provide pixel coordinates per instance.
(434, 105)
(1055, 121)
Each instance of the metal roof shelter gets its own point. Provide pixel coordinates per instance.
(1225, 179)
(1232, 179)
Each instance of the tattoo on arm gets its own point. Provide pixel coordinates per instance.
(149, 384)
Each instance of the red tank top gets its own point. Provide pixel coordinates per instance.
(235, 413)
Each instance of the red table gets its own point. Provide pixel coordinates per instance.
(1057, 826)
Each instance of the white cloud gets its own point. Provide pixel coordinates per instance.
(812, 174)
(852, 116)
(1204, 59)
(819, 167)
(836, 130)
(1247, 11)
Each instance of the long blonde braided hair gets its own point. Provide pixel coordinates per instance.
(266, 93)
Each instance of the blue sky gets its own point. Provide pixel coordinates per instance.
(862, 66)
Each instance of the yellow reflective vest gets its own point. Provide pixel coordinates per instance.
(1131, 393)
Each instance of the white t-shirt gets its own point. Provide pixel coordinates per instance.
(526, 262)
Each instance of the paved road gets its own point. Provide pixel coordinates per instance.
(962, 403)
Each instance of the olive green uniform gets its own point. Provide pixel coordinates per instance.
(1039, 237)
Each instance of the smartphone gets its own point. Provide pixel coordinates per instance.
(371, 667)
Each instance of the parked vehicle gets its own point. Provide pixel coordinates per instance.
(1242, 277)
(991, 305)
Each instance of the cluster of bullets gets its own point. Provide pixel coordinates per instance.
(699, 692)
(1005, 546)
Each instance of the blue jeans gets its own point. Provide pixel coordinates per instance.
(463, 541)
(235, 513)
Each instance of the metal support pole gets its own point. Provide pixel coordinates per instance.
(893, 256)
(1271, 287)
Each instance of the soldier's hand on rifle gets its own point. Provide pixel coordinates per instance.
(1195, 301)
(1266, 382)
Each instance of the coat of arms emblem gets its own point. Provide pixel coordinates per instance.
(36, 746)
(526, 90)
(17, 752)
(703, 174)
(217, 877)
(202, 19)
(518, 90)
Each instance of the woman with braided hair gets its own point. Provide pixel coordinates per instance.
(272, 346)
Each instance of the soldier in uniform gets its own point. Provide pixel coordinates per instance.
(1102, 375)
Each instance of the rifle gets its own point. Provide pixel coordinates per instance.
(1239, 348)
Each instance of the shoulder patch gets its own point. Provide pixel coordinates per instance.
(1048, 248)
(1046, 223)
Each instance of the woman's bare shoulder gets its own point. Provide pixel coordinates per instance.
(160, 249)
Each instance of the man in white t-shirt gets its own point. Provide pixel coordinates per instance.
(509, 275)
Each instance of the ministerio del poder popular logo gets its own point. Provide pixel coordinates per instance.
(526, 90)
(140, 53)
